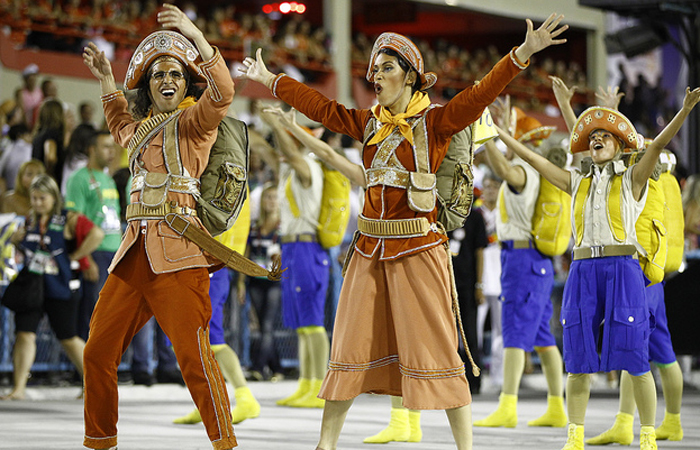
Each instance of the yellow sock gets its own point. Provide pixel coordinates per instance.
(302, 388)
(555, 416)
(620, 433)
(398, 429)
(670, 428)
(247, 407)
(506, 415)
(574, 440)
(310, 399)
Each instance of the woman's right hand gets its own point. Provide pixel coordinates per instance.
(255, 69)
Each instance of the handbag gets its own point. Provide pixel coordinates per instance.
(24, 293)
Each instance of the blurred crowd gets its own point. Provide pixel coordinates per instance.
(289, 42)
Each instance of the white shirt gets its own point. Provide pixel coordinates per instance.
(308, 200)
(519, 206)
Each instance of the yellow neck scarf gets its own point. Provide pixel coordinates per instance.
(185, 103)
(418, 103)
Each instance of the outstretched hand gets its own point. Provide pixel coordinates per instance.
(691, 98)
(562, 92)
(609, 98)
(286, 118)
(173, 17)
(97, 62)
(255, 69)
(541, 38)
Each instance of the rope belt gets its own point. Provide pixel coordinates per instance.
(602, 251)
(401, 228)
(137, 211)
(517, 244)
(286, 239)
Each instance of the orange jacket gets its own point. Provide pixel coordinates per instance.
(385, 202)
(166, 250)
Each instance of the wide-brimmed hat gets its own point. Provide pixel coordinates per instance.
(601, 118)
(408, 50)
(163, 43)
(526, 128)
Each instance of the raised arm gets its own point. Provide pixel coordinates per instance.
(564, 94)
(289, 149)
(325, 152)
(644, 168)
(172, 17)
(513, 175)
(557, 176)
(100, 67)
(541, 38)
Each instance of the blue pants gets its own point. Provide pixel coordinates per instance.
(527, 278)
(304, 284)
(660, 345)
(219, 287)
(91, 291)
(608, 293)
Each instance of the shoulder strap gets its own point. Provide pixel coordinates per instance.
(145, 131)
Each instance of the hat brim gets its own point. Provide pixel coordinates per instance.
(163, 43)
(537, 134)
(601, 118)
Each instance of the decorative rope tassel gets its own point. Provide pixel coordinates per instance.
(455, 310)
(276, 270)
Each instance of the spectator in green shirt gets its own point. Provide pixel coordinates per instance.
(92, 191)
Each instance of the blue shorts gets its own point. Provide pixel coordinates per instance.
(608, 292)
(304, 284)
(527, 277)
(219, 287)
(660, 345)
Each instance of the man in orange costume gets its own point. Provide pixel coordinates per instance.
(157, 272)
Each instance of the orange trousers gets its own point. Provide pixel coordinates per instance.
(180, 303)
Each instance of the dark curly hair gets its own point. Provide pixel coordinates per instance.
(142, 101)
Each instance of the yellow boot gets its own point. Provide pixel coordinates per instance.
(414, 425)
(302, 389)
(555, 416)
(670, 428)
(620, 433)
(647, 438)
(398, 429)
(246, 405)
(506, 415)
(189, 419)
(574, 439)
(310, 399)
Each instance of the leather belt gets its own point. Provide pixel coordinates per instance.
(401, 228)
(517, 244)
(286, 239)
(602, 251)
(137, 211)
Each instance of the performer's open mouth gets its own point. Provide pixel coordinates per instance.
(377, 88)
(168, 93)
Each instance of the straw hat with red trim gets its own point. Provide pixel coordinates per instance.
(528, 129)
(601, 118)
(408, 50)
(163, 44)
